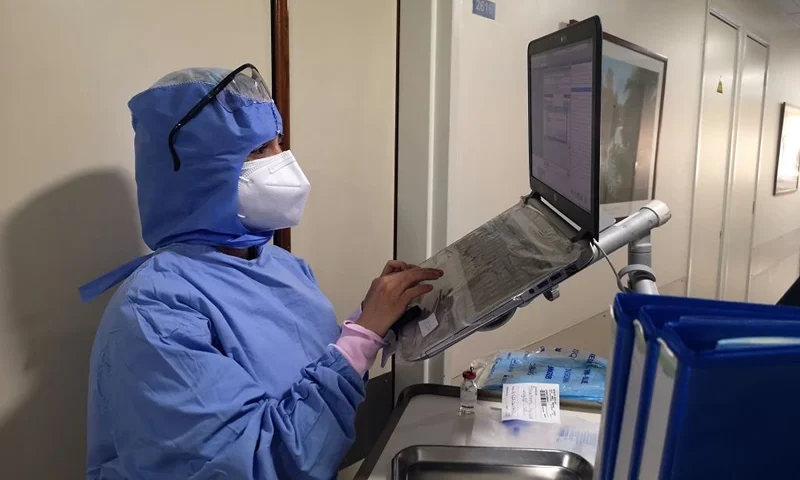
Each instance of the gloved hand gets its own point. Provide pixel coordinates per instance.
(391, 293)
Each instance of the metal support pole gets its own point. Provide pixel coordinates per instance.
(634, 231)
(633, 228)
(640, 253)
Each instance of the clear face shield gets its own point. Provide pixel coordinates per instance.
(233, 91)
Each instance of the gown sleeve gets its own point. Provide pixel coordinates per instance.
(184, 410)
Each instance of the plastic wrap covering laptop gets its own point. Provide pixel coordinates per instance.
(530, 248)
(498, 267)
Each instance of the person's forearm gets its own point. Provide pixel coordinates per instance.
(358, 345)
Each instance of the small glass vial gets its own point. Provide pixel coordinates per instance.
(469, 393)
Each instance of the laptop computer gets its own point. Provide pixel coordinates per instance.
(546, 237)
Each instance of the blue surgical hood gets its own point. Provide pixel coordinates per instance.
(198, 203)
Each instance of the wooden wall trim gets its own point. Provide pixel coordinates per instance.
(280, 87)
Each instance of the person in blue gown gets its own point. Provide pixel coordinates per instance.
(218, 356)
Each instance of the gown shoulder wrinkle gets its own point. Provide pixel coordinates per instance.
(167, 290)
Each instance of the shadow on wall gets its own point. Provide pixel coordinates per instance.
(64, 237)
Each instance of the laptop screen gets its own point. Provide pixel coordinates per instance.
(561, 93)
(564, 112)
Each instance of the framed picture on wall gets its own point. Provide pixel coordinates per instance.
(631, 104)
(787, 171)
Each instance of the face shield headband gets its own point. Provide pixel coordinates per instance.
(245, 82)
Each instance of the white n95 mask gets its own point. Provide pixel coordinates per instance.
(272, 192)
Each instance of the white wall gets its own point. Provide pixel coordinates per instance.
(779, 215)
(490, 171)
(776, 240)
(342, 64)
(67, 197)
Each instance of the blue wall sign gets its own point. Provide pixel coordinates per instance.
(484, 8)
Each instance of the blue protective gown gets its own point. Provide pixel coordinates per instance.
(206, 365)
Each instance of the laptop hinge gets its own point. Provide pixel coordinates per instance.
(556, 218)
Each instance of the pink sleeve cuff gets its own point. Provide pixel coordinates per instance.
(358, 345)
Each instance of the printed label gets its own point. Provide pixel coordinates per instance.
(531, 402)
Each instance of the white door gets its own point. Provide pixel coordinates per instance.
(741, 200)
(712, 162)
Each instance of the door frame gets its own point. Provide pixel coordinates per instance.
(698, 147)
(279, 10)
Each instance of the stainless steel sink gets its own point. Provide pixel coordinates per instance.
(488, 463)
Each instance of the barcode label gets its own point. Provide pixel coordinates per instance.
(531, 402)
(548, 398)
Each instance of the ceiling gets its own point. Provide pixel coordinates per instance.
(790, 8)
